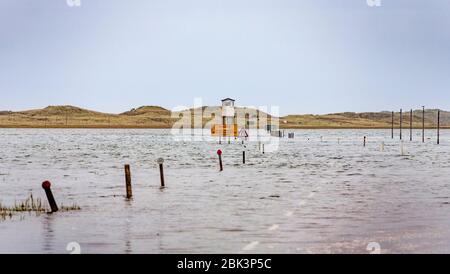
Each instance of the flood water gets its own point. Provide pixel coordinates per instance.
(321, 192)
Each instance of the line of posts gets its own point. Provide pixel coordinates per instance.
(411, 125)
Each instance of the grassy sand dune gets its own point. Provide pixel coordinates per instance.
(364, 120)
(74, 117)
(158, 117)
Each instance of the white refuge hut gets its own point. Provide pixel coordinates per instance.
(228, 126)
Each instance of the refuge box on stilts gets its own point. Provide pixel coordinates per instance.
(229, 127)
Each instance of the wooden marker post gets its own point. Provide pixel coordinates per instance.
(219, 152)
(392, 126)
(423, 124)
(410, 124)
(365, 141)
(438, 126)
(51, 200)
(243, 157)
(160, 162)
(128, 182)
(401, 122)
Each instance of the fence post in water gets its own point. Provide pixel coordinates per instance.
(438, 125)
(365, 141)
(410, 124)
(264, 151)
(128, 181)
(160, 162)
(243, 156)
(51, 200)
(219, 152)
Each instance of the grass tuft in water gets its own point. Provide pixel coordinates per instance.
(69, 208)
(30, 205)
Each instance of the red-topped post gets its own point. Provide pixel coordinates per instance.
(51, 200)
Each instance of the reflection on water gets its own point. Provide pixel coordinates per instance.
(48, 233)
(127, 232)
(322, 192)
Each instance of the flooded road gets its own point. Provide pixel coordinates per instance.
(321, 192)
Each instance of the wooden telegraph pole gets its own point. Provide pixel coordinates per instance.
(438, 125)
(410, 124)
(401, 121)
(392, 126)
(423, 124)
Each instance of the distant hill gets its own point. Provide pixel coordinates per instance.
(158, 117)
(148, 110)
(59, 110)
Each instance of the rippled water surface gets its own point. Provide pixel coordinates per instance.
(322, 192)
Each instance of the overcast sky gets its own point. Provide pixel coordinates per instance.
(310, 56)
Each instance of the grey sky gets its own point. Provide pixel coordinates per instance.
(311, 56)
